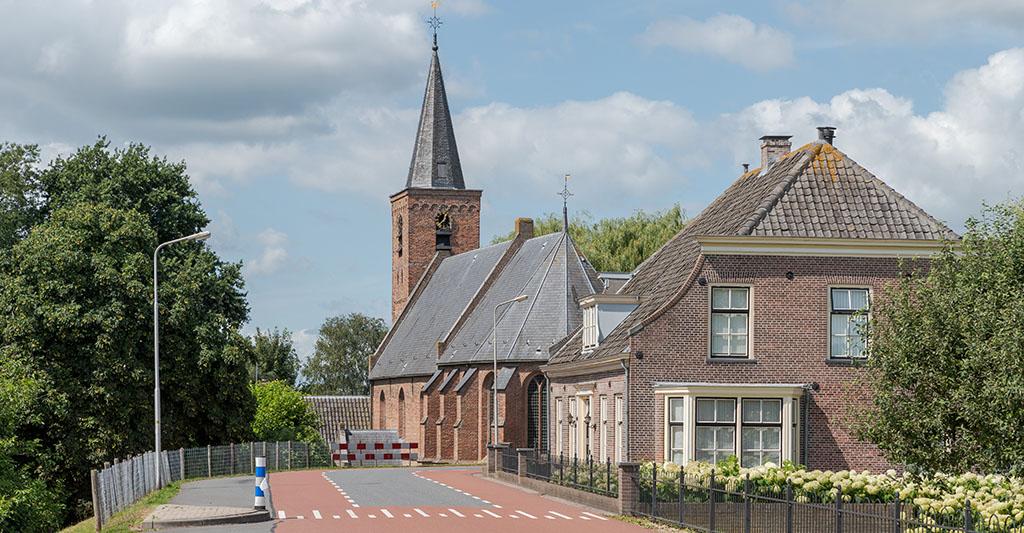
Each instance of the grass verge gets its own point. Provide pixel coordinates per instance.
(650, 524)
(131, 518)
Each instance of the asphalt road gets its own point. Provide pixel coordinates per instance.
(222, 492)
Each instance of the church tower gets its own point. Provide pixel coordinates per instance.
(434, 213)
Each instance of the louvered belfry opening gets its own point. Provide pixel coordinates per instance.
(537, 414)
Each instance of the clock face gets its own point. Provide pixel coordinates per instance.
(443, 220)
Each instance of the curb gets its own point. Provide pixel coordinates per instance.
(249, 517)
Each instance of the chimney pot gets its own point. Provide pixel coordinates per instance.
(524, 227)
(774, 147)
(826, 133)
(746, 167)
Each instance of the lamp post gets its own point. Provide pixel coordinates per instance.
(201, 236)
(494, 342)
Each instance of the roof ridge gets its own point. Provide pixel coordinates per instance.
(776, 194)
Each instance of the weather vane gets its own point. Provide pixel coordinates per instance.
(434, 22)
(565, 194)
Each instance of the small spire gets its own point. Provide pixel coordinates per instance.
(565, 194)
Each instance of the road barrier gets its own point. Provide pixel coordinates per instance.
(261, 484)
(375, 448)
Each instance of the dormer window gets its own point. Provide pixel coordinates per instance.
(601, 314)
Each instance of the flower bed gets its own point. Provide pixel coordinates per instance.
(605, 478)
(995, 500)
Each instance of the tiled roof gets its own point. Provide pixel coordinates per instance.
(336, 413)
(814, 191)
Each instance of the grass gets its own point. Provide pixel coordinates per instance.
(649, 524)
(131, 518)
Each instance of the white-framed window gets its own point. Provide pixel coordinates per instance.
(604, 428)
(677, 430)
(559, 417)
(715, 432)
(619, 421)
(761, 432)
(573, 422)
(849, 309)
(730, 321)
(590, 328)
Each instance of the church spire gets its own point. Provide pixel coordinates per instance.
(435, 156)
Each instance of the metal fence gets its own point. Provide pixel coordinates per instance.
(586, 474)
(712, 506)
(117, 486)
(509, 460)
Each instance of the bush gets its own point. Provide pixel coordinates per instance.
(604, 482)
(282, 414)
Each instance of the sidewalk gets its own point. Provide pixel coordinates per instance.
(211, 502)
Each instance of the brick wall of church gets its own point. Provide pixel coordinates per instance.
(404, 416)
(790, 344)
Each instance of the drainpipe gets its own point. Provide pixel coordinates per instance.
(625, 404)
(806, 400)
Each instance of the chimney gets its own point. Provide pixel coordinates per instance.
(524, 228)
(826, 133)
(746, 167)
(773, 147)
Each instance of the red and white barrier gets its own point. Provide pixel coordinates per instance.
(375, 448)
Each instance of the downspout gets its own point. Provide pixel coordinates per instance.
(625, 421)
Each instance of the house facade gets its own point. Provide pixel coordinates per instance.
(742, 335)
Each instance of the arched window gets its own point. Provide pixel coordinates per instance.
(381, 419)
(401, 413)
(537, 414)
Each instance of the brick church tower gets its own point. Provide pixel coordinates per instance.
(435, 213)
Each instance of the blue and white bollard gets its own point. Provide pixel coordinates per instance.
(261, 484)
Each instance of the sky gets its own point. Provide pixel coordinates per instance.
(296, 118)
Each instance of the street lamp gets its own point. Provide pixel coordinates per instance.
(494, 342)
(201, 236)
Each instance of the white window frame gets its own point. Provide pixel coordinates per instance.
(716, 424)
(559, 417)
(573, 424)
(749, 312)
(832, 312)
(603, 446)
(760, 425)
(619, 421)
(590, 328)
(671, 424)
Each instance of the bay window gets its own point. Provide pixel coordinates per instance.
(715, 429)
(676, 430)
(761, 432)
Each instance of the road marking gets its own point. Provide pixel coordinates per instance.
(513, 516)
(479, 515)
(421, 512)
(373, 516)
(336, 517)
(560, 515)
(595, 516)
(442, 515)
(407, 515)
(280, 514)
(387, 513)
(300, 517)
(490, 513)
(356, 505)
(474, 497)
(456, 513)
(527, 515)
(583, 518)
(316, 514)
(351, 513)
(496, 506)
(549, 517)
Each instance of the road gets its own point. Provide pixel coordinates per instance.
(421, 499)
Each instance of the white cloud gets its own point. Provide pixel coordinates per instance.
(274, 255)
(304, 341)
(915, 21)
(731, 37)
(947, 161)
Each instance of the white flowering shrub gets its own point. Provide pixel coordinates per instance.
(996, 501)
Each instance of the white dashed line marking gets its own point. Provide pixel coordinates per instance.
(456, 513)
(407, 515)
(496, 506)
(549, 517)
(356, 505)
(351, 513)
(492, 514)
(373, 516)
(336, 517)
(478, 515)
(442, 515)
(421, 513)
(592, 515)
(300, 517)
(316, 515)
(583, 518)
(513, 516)
(280, 514)
(560, 515)
(387, 513)
(527, 515)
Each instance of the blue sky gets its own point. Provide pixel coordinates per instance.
(297, 117)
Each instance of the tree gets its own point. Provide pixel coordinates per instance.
(76, 303)
(947, 355)
(20, 200)
(282, 414)
(274, 357)
(615, 244)
(340, 361)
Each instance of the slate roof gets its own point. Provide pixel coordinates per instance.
(457, 301)
(815, 191)
(340, 412)
(435, 139)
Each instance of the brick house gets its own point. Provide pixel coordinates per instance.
(433, 378)
(740, 335)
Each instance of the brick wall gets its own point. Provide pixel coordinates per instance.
(606, 385)
(790, 344)
(418, 208)
(410, 388)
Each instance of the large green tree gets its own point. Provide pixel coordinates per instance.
(615, 244)
(76, 304)
(947, 354)
(282, 414)
(20, 200)
(274, 357)
(340, 360)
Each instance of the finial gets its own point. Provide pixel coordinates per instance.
(565, 194)
(434, 22)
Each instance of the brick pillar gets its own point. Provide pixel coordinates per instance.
(523, 454)
(629, 490)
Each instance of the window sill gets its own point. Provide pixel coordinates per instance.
(731, 360)
(831, 361)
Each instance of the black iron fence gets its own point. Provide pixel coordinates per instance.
(509, 460)
(599, 477)
(709, 505)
